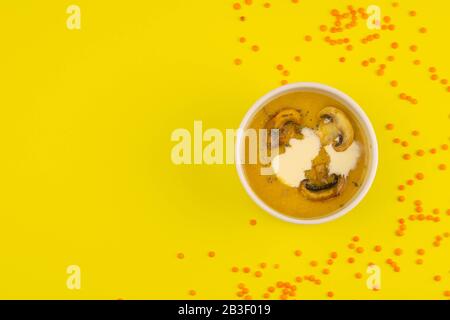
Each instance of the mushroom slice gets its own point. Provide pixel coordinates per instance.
(288, 122)
(324, 190)
(335, 128)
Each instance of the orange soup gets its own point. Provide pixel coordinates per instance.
(322, 155)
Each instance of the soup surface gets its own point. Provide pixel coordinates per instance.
(306, 113)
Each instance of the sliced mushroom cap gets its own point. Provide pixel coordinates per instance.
(320, 191)
(288, 122)
(335, 128)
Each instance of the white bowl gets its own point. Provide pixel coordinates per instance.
(357, 112)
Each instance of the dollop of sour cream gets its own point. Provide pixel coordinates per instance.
(290, 167)
(341, 163)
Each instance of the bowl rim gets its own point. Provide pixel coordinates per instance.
(351, 104)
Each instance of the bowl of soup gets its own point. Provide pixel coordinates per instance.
(306, 153)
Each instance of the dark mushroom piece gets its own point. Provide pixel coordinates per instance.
(319, 185)
(288, 122)
(319, 191)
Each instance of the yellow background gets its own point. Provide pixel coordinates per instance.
(86, 176)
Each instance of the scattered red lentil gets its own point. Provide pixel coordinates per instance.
(253, 222)
(420, 176)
